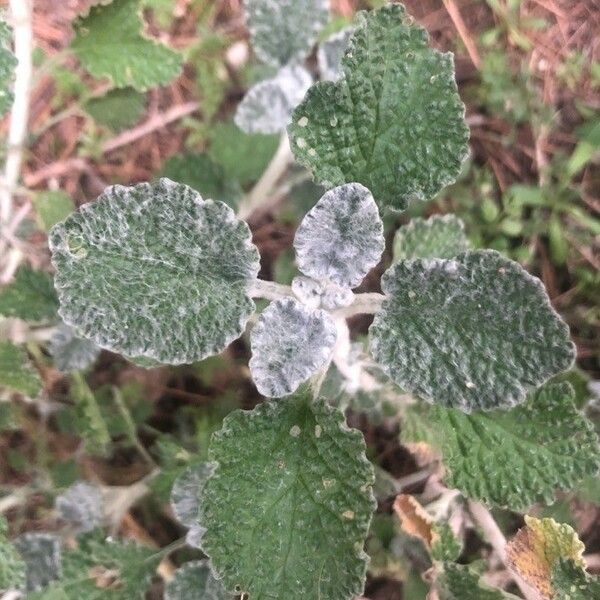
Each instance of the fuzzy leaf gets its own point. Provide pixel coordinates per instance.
(117, 109)
(290, 343)
(71, 352)
(194, 581)
(206, 177)
(288, 507)
(331, 52)
(8, 63)
(52, 207)
(81, 505)
(42, 555)
(30, 296)
(539, 547)
(460, 582)
(186, 492)
(394, 122)
(571, 582)
(474, 332)
(268, 106)
(341, 237)
(316, 294)
(109, 42)
(436, 237)
(284, 31)
(518, 457)
(154, 271)
(12, 566)
(16, 373)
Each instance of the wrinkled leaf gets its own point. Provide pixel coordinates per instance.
(154, 271)
(513, 458)
(30, 296)
(436, 237)
(331, 52)
(394, 122)
(16, 373)
(473, 332)
(82, 506)
(341, 237)
(268, 106)
(71, 352)
(290, 342)
(288, 507)
(571, 582)
(284, 31)
(460, 582)
(43, 559)
(117, 109)
(194, 581)
(109, 42)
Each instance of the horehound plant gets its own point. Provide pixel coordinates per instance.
(465, 339)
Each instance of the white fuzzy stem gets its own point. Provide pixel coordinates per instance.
(23, 35)
(363, 304)
(261, 193)
(269, 290)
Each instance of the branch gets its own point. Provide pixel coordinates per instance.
(23, 35)
(363, 304)
(270, 290)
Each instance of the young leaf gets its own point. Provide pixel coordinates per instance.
(539, 547)
(12, 566)
(284, 31)
(268, 106)
(186, 493)
(571, 582)
(518, 457)
(71, 352)
(109, 42)
(205, 176)
(30, 296)
(8, 62)
(341, 237)
(394, 122)
(41, 553)
(154, 271)
(117, 109)
(194, 581)
(318, 294)
(290, 343)
(52, 207)
(81, 505)
(437, 237)
(331, 52)
(15, 371)
(288, 507)
(460, 582)
(474, 332)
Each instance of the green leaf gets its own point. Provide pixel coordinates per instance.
(12, 567)
(571, 582)
(194, 581)
(290, 343)
(460, 582)
(243, 156)
(15, 371)
(117, 109)
(30, 296)
(71, 352)
(8, 63)
(436, 237)
(52, 207)
(109, 42)
(154, 271)
(394, 122)
(474, 332)
(201, 173)
(341, 238)
(518, 457)
(284, 31)
(103, 569)
(186, 493)
(288, 507)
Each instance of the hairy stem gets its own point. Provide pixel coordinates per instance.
(270, 290)
(261, 192)
(363, 304)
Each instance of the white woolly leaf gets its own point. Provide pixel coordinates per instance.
(341, 237)
(331, 52)
(82, 505)
(42, 555)
(284, 31)
(154, 271)
(194, 581)
(268, 106)
(290, 343)
(321, 294)
(71, 352)
(185, 495)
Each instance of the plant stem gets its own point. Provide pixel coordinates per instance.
(261, 192)
(363, 304)
(492, 533)
(270, 290)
